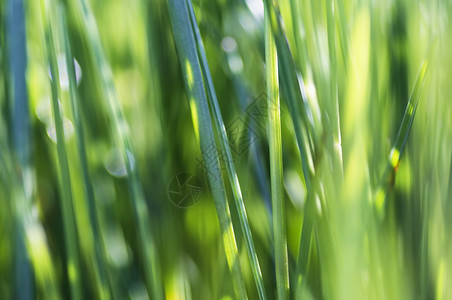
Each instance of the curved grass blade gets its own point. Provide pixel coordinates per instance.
(70, 230)
(276, 164)
(233, 179)
(388, 178)
(148, 251)
(191, 68)
(99, 268)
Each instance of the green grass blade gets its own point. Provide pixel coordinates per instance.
(31, 247)
(299, 35)
(343, 34)
(99, 268)
(68, 217)
(41, 258)
(233, 179)
(387, 180)
(306, 238)
(333, 103)
(304, 126)
(189, 60)
(276, 164)
(148, 251)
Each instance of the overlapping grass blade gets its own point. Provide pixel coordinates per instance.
(32, 254)
(194, 84)
(388, 178)
(148, 251)
(306, 239)
(233, 179)
(276, 164)
(306, 131)
(69, 223)
(303, 125)
(99, 268)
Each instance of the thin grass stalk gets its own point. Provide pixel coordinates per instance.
(304, 126)
(233, 179)
(188, 56)
(103, 287)
(316, 227)
(69, 223)
(306, 237)
(276, 164)
(299, 32)
(333, 104)
(388, 178)
(305, 129)
(343, 35)
(148, 251)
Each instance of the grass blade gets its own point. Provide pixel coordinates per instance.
(276, 164)
(304, 128)
(99, 263)
(333, 103)
(148, 251)
(69, 223)
(233, 179)
(343, 34)
(189, 60)
(388, 178)
(31, 247)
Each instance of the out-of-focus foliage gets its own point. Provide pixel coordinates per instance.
(107, 186)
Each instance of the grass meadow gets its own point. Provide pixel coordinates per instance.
(241, 149)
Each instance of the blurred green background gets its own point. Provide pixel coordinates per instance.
(103, 215)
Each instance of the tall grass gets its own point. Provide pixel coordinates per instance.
(225, 149)
(276, 164)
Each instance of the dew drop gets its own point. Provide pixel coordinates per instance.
(235, 63)
(68, 129)
(256, 7)
(229, 44)
(44, 110)
(115, 165)
(63, 72)
(118, 251)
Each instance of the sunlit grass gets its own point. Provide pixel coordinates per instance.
(316, 137)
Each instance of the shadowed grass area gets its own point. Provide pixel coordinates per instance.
(194, 149)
